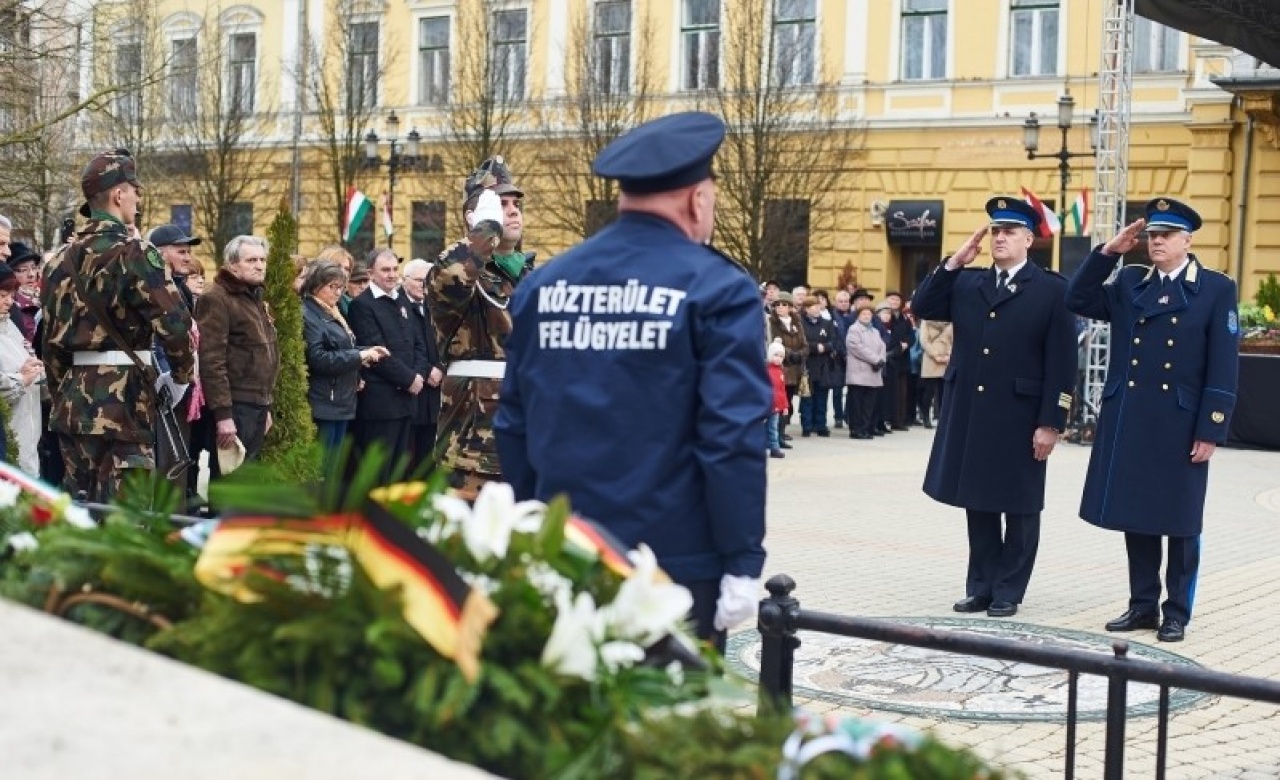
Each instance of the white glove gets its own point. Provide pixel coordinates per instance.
(739, 600)
(176, 391)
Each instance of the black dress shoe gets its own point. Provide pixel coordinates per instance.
(777, 454)
(786, 437)
(1132, 621)
(1002, 609)
(823, 432)
(928, 426)
(806, 434)
(1171, 630)
(972, 604)
(899, 427)
(839, 423)
(877, 433)
(785, 446)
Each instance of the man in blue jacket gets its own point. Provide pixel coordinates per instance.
(1007, 391)
(636, 379)
(1166, 406)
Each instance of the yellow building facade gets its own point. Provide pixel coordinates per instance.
(937, 90)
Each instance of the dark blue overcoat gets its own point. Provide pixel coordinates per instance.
(1171, 380)
(1012, 370)
(636, 384)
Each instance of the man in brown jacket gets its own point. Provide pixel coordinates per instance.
(239, 359)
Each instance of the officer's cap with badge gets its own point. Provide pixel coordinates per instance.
(171, 235)
(1008, 211)
(1166, 215)
(493, 174)
(107, 170)
(664, 154)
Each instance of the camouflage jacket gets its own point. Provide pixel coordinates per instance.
(132, 283)
(468, 302)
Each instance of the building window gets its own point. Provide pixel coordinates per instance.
(612, 31)
(128, 72)
(183, 91)
(924, 39)
(1034, 26)
(242, 70)
(180, 215)
(510, 30)
(700, 32)
(238, 219)
(362, 66)
(433, 61)
(427, 236)
(785, 240)
(1155, 47)
(794, 41)
(598, 214)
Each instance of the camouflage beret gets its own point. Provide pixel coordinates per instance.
(107, 170)
(493, 174)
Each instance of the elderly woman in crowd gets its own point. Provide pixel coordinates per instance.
(820, 365)
(935, 342)
(20, 375)
(333, 360)
(864, 361)
(784, 325)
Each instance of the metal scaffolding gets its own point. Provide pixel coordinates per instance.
(1112, 167)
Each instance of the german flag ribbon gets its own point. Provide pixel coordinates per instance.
(448, 613)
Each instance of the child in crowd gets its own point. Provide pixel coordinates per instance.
(777, 353)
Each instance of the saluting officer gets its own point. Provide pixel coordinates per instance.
(1006, 393)
(1166, 405)
(636, 376)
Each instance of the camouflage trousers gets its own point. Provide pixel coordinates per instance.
(96, 465)
(466, 484)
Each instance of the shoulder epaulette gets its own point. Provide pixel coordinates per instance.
(727, 258)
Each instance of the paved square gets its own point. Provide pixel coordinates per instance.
(848, 521)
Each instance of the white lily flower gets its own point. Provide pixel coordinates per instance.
(547, 581)
(496, 515)
(78, 516)
(619, 654)
(571, 648)
(645, 610)
(23, 542)
(9, 493)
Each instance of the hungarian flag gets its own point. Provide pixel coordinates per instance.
(441, 607)
(358, 206)
(385, 208)
(1078, 217)
(1049, 223)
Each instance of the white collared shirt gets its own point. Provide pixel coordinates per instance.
(1177, 271)
(378, 292)
(1013, 272)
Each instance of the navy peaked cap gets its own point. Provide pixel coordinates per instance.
(1165, 215)
(1009, 211)
(664, 154)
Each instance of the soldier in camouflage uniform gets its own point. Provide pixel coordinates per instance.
(103, 407)
(467, 291)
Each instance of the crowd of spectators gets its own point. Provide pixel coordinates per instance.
(862, 365)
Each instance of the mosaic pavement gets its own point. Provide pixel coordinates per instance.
(932, 683)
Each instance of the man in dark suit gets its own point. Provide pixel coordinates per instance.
(1008, 389)
(422, 436)
(1166, 405)
(388, 402)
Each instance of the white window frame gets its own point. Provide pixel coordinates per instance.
(349, 69)
(802, 66)
(617, 79)
(930, 68)
(1162, 41)
(234, 74)
(127, 104)
(431, 92)
(704, 36)
(242, 20)
(510, 58)
(1037, 10)
(179, 105)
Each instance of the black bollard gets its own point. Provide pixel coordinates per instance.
(776, 623)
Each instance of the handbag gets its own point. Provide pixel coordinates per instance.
(805, 390)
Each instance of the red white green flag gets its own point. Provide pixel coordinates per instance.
(1079, 217)
(358, 207)
(1049, 223)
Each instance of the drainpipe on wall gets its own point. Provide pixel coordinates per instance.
(1244, 203)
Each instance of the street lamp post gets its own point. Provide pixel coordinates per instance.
(1031, 142)
(404, 157)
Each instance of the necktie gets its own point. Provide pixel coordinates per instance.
(1002, 280)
